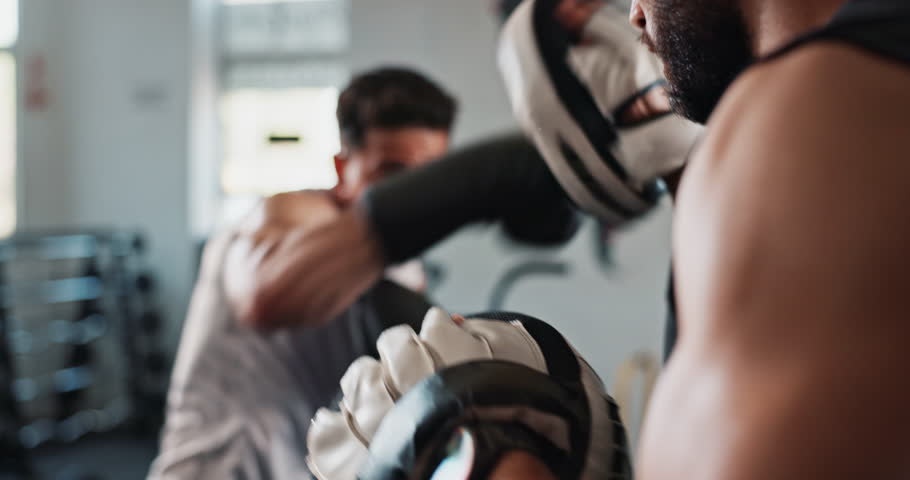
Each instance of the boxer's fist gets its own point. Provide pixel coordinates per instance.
(308, 276)
(315, 273)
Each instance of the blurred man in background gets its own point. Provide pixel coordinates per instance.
(241, 398)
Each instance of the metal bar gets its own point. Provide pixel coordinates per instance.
(76, 289)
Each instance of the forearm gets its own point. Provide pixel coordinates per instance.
(501, 179)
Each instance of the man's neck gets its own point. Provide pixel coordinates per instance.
(338, 196)
(775, 23)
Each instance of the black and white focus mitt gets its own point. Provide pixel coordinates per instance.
(448, 402)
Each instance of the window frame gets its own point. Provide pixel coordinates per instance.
(226, 60)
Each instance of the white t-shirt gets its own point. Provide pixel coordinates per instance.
(240, 401)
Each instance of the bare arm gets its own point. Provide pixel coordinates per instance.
(793, 266)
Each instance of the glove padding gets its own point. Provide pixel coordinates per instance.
(494, 373)
(567, 99)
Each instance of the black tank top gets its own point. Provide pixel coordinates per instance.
(880, 27)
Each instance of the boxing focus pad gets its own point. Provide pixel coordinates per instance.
(567, 98)
(449, 402)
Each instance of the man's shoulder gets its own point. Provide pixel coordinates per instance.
(296, 204)
(296, 197)
(801, 149)
(820, 103)
(826, 63)
(831, 76)
(288, 208)
(797, 191)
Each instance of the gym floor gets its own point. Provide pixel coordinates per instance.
(116, 456)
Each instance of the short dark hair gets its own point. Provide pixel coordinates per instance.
(392, 98)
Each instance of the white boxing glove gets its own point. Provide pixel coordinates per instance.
(567, 98)
(494, 378)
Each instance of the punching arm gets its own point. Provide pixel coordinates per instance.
(502, 179)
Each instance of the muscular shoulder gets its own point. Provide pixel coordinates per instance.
(823, 114)
(798, 190)
(798, 100)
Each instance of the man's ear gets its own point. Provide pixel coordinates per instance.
(341, 163)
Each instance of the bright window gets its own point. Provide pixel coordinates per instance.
(9, 22)
(278, 140)
(282, 65)
(9, 31)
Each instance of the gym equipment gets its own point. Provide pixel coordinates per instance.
(80, 338)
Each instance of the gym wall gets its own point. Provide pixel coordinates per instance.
(111, 148)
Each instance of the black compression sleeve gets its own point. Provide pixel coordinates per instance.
(500, 179)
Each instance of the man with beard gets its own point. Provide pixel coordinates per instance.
(789, 241)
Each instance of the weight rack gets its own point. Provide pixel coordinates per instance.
(80, 340)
